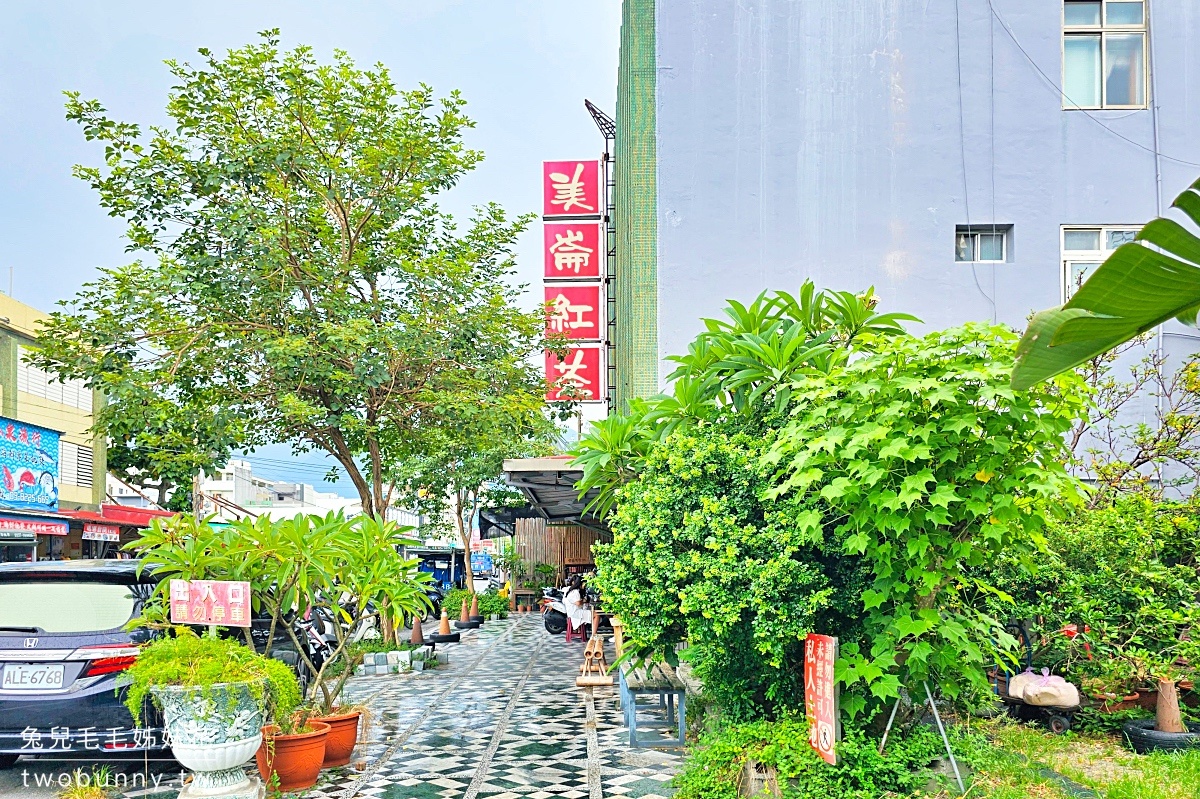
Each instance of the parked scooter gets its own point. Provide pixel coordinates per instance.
(554, 612)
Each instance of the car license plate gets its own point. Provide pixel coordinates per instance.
(32, 677)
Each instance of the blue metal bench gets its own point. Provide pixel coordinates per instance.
(661, 682)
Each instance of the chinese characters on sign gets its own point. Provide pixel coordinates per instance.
(821, 695)
(571, 188)
(28, 466)
(575, 262)
(577, 377)
(572, 250)
(100, 532)
(573, 311)
(218, 602)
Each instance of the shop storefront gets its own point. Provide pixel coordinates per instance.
(30, 538)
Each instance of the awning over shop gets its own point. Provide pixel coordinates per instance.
(549, 485)
(132, 517)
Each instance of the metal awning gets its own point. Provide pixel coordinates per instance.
(549, 485)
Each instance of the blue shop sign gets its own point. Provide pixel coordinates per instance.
(28, 466)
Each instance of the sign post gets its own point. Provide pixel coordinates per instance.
(821, 695)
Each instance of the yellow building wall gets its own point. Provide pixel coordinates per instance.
(19, 327)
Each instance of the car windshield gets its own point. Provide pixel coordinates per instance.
(65, 607)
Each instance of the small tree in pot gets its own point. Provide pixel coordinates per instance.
(349, 571)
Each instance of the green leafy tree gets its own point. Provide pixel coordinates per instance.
(928, 465)
(1151, 280)
(159, 445)
(295, 267)
(458, 474)
(738, 366)
(698, 557)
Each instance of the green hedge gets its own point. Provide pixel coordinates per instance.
(714, 767)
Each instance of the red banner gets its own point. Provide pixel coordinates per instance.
(571, 188)
(574, 311)
(101, 532)
(218, 602)
(576, 377)
(573, 250)
(16, 525)
(821, 695)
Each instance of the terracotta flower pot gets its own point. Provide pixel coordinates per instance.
(1111, 703)
(294, 759)
(343, 734)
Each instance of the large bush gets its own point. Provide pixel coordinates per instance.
(867, 513)
(928, 466)
(698, 556)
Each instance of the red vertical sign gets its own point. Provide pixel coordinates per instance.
(820, 695)
(573, 250)
(575, 377)
(574, 311)
(571, 188)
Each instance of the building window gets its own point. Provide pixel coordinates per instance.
(32, 380)
(74, 464)
(1104, 54)
(1085, 248)
(981, 244)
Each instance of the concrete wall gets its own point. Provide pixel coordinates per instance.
(825, 139)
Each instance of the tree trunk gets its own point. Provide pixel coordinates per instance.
(1166, 714)
(464, 535)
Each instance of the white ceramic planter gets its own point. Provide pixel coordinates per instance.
(213, 733)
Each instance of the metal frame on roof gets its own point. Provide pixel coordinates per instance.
(549, 486)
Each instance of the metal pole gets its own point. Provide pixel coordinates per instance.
(888, 728)
(953, 763)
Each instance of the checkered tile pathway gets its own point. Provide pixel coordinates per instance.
(503, 720)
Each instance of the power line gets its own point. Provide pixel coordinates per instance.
(1060, 93)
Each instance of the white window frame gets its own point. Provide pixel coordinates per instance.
(975, 231)
(1093, 257)
(1104, 30)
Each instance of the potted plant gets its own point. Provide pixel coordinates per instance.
(349, 571)
(362, 568)
(292, 752)
(1167, 666)
(214, 693)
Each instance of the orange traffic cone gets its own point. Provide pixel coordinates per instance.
(443, 635)
(418, 635)
(465, 615)
(475, 609)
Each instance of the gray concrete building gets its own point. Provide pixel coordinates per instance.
(968, 158)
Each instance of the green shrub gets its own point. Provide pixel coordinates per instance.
(713, 769)
(489, 602)
(698, 557)
(1128, 572)
(190, 661)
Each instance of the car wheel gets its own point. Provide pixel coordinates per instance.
(8, 761)
(1144, 738)
(1059, 724)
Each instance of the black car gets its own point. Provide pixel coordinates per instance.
(63, 648)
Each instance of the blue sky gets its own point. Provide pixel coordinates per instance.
(524, 67)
